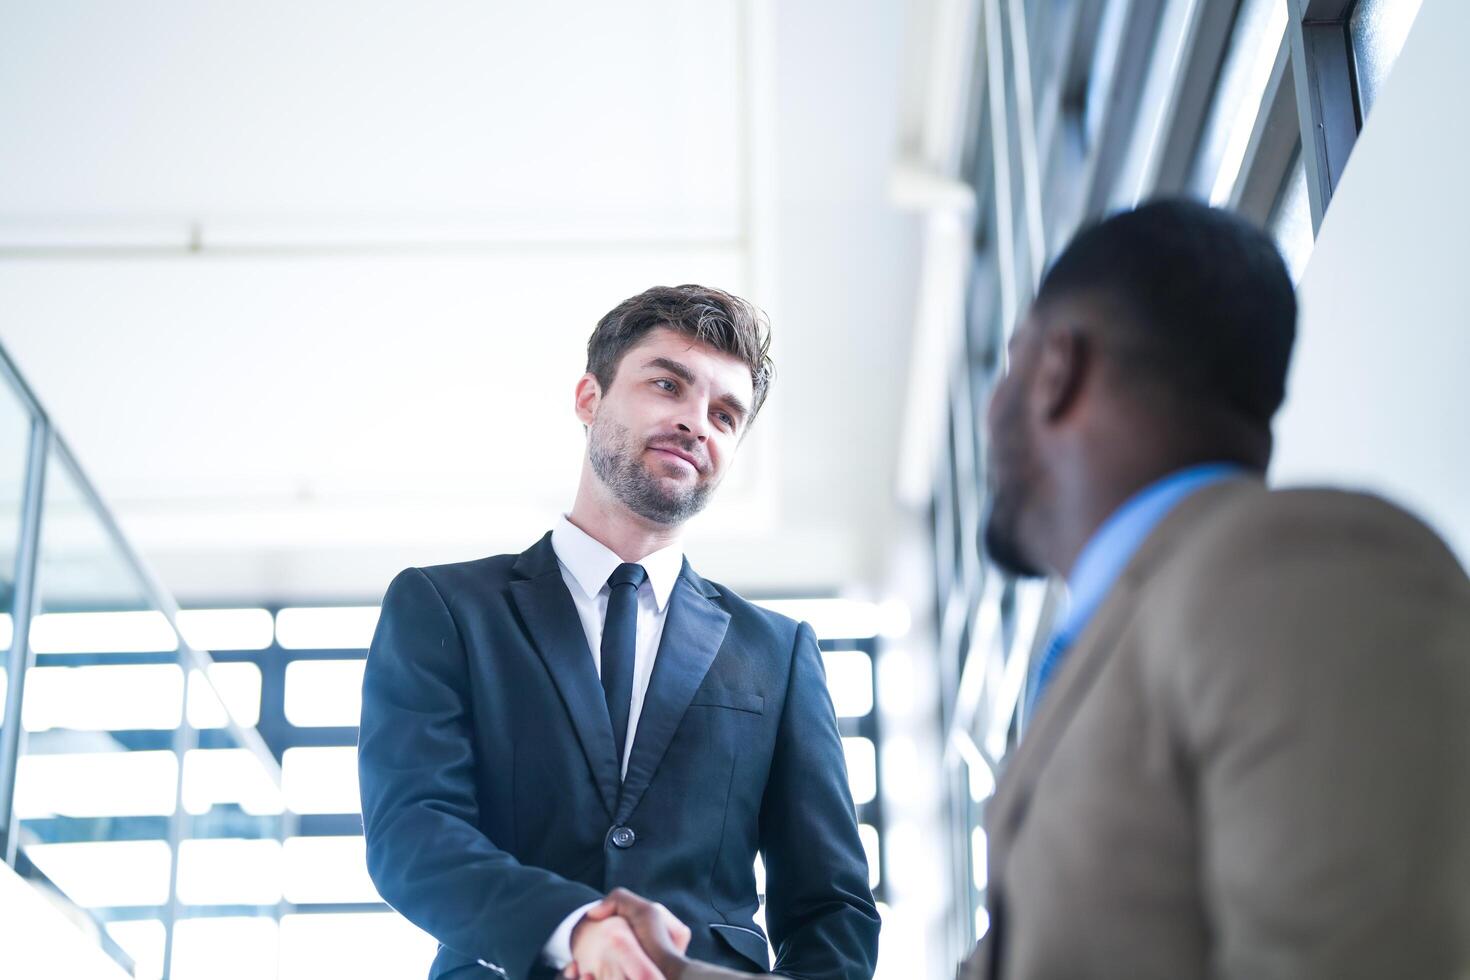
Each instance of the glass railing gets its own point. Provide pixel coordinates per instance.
(130, 788)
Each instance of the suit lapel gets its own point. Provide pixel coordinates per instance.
(1082, 665)
(692, 635)
(556, 631)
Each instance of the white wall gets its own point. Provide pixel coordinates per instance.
(1378, 396)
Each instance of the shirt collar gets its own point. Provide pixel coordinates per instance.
(1114, 544)
(591, 562)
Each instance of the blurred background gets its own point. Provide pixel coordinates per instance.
(294, 295)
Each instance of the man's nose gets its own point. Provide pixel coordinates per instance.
(700, 432)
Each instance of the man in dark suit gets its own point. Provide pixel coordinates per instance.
(539, 729)
(1246, 751)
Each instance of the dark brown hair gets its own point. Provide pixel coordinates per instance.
(711, 316)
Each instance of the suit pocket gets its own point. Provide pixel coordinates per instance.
(747, 942)
(739, 700)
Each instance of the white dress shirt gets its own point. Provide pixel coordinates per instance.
(586, 564)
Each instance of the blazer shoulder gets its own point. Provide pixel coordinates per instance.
(1273, 528)
(750, 615)
(465, 577)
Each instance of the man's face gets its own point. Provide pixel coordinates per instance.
(1013, 472)
(664, 432)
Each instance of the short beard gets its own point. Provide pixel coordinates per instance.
(618, 464)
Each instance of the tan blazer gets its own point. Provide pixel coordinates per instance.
(1255, 762)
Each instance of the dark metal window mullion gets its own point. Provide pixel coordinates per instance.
(1327, 100)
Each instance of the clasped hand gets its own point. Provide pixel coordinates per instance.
(626, 937)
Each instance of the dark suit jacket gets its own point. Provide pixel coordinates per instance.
(491, 799)
(1255, 762)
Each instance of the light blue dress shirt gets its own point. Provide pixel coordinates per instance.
(1107, 553)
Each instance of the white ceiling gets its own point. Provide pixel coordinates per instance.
(307, 285)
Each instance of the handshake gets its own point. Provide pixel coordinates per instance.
(627, 937)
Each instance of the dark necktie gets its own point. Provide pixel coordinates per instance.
(619, 641)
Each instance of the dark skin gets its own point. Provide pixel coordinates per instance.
(1073, 435)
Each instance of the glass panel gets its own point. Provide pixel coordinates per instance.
(142, 939)
(375, 944)
(1379, 29)
(324, 692)
(97, 780)
(327, 869)
(868, 834)
(862, 769)
(230, 871)
(236, 685)
(327, 628)
(321, 780)
(1260, 26)
(15, 438)
(226, 948)
(1291, 220)
(850, 680)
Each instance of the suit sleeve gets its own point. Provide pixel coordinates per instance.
(416, 761)
(819, 908)
(1324, 703)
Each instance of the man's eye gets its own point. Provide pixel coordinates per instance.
(666, 384)
(727, 420)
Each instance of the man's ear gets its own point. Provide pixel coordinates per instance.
(1065, 358)
(589, 394)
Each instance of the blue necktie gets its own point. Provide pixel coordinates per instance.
(619, 643)
(1051, 659)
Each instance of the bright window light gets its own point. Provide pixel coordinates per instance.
(327, 627)
(237, 683)
(106, 874)
(905, 777)
(324, 692)
(321, 780)
(1252, 90)
(979, 857)
(104, 697)
(898, 694)
(96, 784)
(144, 631)
(7, 631)
(831, 619)
(982, 922)
(850, 680)
(142, 939)
(868, 834)
(219, 776)
(862, 769)
(230, 871)
(227, 948)
(227, 629)
(365, 944)
(327, 869)
(4, 690)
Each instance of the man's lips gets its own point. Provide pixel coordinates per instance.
(679, 454)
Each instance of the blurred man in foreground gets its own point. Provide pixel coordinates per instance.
(1247, 750)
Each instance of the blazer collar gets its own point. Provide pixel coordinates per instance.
(1080, 669)
(550, 618)
(693, 633)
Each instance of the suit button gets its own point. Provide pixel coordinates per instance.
(623, 837)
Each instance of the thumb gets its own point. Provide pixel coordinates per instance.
(604, 909)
